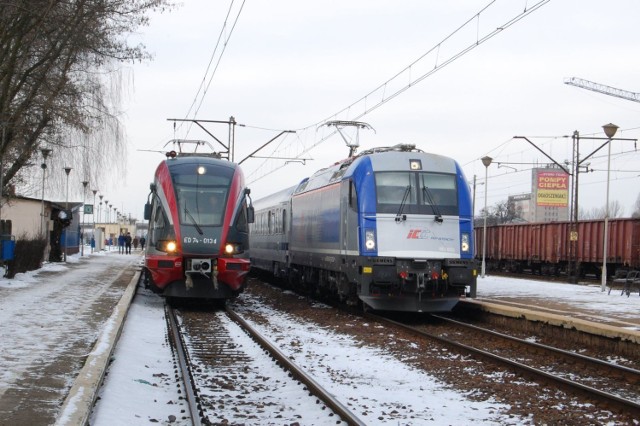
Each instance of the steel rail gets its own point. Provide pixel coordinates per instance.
(192, 400)
(586, 390)
(298, 373)
(569, 354)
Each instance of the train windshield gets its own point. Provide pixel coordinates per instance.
(201, 198)
(422, 193)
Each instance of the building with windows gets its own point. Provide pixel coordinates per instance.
(549, 197)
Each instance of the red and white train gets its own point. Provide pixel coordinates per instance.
(199, 212)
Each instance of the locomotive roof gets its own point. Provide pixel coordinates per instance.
(199, 158)
(381, 159)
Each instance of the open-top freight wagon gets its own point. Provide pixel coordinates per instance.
(546, 248)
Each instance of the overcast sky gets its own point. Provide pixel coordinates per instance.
(291, 65)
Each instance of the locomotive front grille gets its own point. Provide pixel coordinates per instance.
(198, 265)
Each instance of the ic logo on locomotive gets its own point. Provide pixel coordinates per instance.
(418, 234)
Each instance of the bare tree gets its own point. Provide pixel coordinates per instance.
(636, 208)
(57, 62)
(615, 210)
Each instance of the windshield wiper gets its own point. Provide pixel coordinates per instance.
(399, 216)
(194, 221)
(434, 207)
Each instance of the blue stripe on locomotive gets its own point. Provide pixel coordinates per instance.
(465, 213)
(362, 174)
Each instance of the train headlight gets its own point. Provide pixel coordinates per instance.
(464, 243)
(167, 246)
(232, 248)
(369, 239)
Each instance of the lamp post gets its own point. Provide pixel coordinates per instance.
(487, 162)
(610, 131)
(45, 153)
(100, 208)
(93, 233)
(84, 197)
(67, 170)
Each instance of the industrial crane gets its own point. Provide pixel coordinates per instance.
(601, 88)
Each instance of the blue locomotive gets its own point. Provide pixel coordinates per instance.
(390, 228)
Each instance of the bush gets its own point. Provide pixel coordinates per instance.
(28, 256)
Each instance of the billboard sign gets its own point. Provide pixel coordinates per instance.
(552, 188)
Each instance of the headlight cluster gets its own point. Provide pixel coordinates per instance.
(167, 246)
(233, 248)
(465, 246)
(369, 239)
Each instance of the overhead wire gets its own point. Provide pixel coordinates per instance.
(384, 98)
(202, 88)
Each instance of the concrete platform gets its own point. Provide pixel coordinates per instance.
(59, 326)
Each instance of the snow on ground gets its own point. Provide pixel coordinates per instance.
(581, 296)
(141, 386)
(32, 312)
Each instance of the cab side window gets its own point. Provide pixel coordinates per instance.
(159, 228)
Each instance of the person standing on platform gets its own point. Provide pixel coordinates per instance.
(143, 240)
(121, 241)
(127, 243)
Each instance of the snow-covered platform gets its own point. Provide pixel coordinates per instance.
(58, 327)
(585, 307)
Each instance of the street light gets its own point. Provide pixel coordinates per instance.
(45, 154)
(67, 170)
(610, 131)
(84, 197)
(487, 162)
(100, 208)
(93, 233)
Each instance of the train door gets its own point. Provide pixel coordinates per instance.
(349, 219)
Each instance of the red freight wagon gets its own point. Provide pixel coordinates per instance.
(545, 248)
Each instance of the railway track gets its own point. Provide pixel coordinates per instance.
(614, 386)
(225, 381)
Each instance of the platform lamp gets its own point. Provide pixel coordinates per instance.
(45, 153)
(487, 162)
(100, 208)
(610, 131)
(106, 211)
(67, 170)
(84, 213)
(93, 234)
